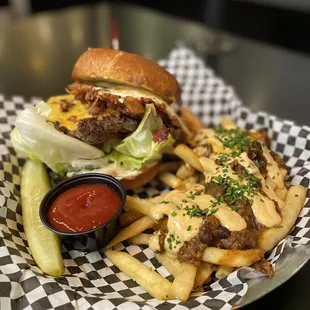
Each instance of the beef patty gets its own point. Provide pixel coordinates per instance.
(106, 115)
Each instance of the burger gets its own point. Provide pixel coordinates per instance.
(118, 118)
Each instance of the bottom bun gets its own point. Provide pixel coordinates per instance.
(141, 179)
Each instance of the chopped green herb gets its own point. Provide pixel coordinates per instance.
(171, 239)
(235, 139)
(165, 202)
(193, 195)
(222, 158)
(262, 200)
(234, 208)
(235, 154)
(269, 164)
(179, 207)
(218, 179)
(184, 201)
(173, 213)
(189, 227)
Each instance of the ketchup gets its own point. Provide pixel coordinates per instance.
(83, 208)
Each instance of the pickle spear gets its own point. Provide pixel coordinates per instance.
(44, 245)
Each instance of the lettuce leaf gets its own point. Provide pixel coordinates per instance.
(33, 137)
(131, 162)
(139, 148)
(140, 143)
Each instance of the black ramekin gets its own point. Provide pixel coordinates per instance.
(98, 237)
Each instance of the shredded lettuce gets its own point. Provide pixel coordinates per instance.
(139, 148)
(33, 137)
(137, 163)
(140, 143)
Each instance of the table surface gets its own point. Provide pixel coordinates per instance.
(37, 55)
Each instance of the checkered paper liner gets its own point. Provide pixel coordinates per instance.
(90, 280)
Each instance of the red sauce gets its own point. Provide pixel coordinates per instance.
(83, 208)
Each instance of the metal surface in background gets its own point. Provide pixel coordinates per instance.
(37, 55)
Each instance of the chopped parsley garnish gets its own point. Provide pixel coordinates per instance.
(165, 202)
(262, 200)
(195, 211)
(173, 213)
(193, 195)
(189, 227)
(233, 208)
(222, 158)
(234, 139)
(237, 191)
(171, 239)
(269, 164)
(184, 200)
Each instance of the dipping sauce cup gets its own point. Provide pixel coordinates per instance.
(84, 210)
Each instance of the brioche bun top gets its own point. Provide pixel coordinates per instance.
(107, 65)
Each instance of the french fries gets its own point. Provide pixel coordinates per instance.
(170, 166)
(232, 258)
(149, 279)
(172, 265)
(141, 239)
(294, 201)
(185, 171)
(191, 120)
(171, 180)
(132, 230)
(129, 217)
(183, 282)
(185, 153)
(227, 123)
(223, 271)
(190, 178)
(138, 205)
(281, 192)
(203, 274)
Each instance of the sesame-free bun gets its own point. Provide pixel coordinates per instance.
(113, 66)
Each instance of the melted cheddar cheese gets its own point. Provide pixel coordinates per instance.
(69, 119)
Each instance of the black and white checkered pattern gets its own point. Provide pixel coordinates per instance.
(90, 280)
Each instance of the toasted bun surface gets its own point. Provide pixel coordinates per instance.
(114, 66)
(143, 178)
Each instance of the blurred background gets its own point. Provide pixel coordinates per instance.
(261, 47)
(282, 22)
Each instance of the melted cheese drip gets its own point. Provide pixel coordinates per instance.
(273, 170)
(264, 211)
(80, 111)
(179, 221)
(263, 207)
(67, 119)
(154, 243)
(208, 135)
